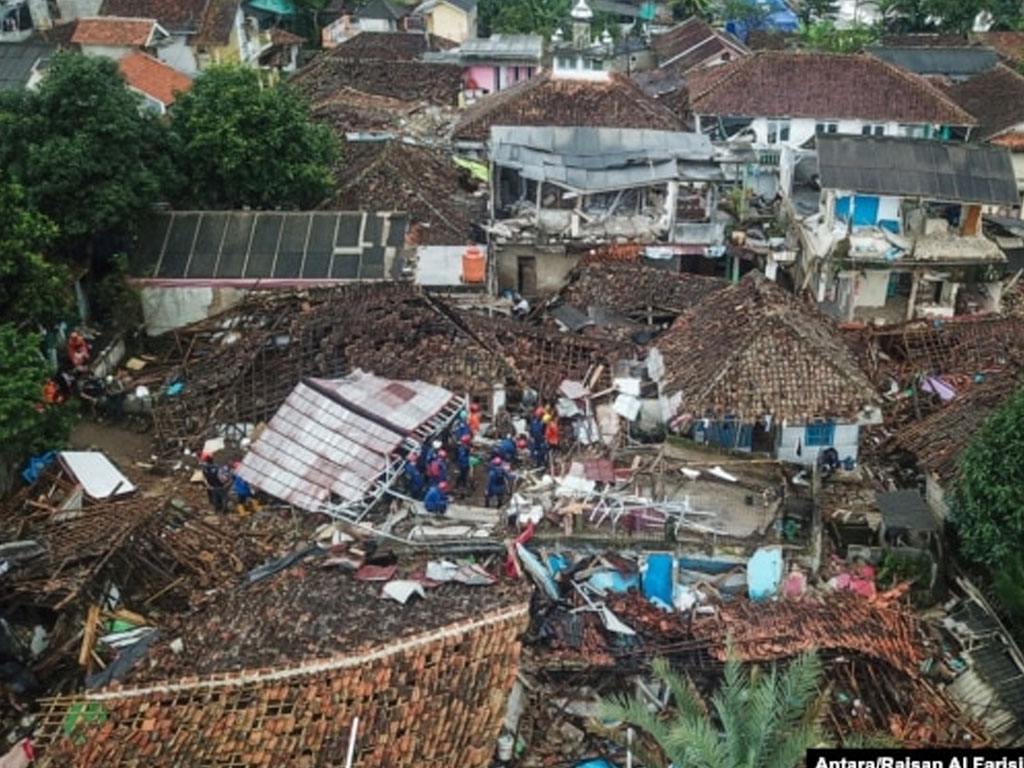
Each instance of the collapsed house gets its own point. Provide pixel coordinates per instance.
(899, 231)
(553, 187)
(263, 675)
(753, 368)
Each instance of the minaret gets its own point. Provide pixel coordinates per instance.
(581, 18)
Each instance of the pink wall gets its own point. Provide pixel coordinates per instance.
(482, 76)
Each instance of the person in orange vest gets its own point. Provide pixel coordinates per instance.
(52, 393)
(78, 349)
(474, 419)
(551, 431)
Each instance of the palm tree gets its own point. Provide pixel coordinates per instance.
(757, 719)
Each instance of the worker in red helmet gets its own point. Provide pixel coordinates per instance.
(415, 483)
(78, 350)
(436, 500)
(498, 478)
(551, 432)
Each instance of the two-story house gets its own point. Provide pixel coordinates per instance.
(451, 19)
(898, 235)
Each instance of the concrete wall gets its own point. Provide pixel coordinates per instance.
(178, 54)
(483, 76)
(802, 128)
(166, 308)
(935, 495)
(450, 22)
(115, 52)
(552, 264)
(846, 441)
(872, 286)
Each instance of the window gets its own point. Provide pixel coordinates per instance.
(820, 433)
(873, 130)
(566, 62)
(826, 128)
(914, 131)
(778, 131)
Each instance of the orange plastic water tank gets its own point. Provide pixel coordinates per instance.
(473, 262)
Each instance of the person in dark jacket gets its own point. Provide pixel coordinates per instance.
(436, 500)
(462, 457)
(497, 483)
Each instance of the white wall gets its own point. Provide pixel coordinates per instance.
(802, 128)
(177, 54)
(872, 286)
(115, 52)
(846, 440)
(935, 495)
(166, 308)
(374, 25)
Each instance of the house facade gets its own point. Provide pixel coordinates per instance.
(778, 99)
(753, 368)
(451, 19)
(158, 84)
(898, 235)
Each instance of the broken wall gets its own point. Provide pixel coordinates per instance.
(551, 266)
(166, 308)
(432, 701)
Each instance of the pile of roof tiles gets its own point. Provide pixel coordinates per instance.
(433, 702)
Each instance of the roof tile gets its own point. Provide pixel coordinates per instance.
(114, 31)
(153, 78)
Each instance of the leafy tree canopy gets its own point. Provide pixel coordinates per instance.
(81, 149)
(26, 426)
(241, 144)
(988, 497)
(825, 36)
(763, 718)
(957, 16)
(32, 290)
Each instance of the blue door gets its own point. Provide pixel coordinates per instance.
(865, 210)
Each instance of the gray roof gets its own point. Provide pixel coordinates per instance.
(932, 170)
(905, 509)
(233, 245)
(465, 5)
(529, 47)
(601, 159)
(954, 62)
(382, 9)
(17, 61)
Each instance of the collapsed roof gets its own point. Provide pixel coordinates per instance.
(593, 160)
(754, 350)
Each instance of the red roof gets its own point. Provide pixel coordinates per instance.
(114, 30)
(820, 85)
(153, 78)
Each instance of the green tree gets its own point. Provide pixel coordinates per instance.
(825, 36)
(748, 12)
(684, 9)
(33, 291)
(542, 17)
(757, 718)
(988, 496)
(241, 144)
(81, 148)
(26, 425)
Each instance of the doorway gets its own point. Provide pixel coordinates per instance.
(527, 275)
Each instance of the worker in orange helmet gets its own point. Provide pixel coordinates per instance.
(474, 419)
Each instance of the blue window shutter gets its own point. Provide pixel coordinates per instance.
(819, 433)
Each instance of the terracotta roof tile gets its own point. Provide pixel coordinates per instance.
(692, 42)
(390, 46)
(544, 100)
(114, 31)
(995, 97)
(153, 78)
(1009, 45)
(630, 288)
(753, 349)
(820, 85)
(172, 15)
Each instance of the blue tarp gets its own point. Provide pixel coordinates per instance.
(598, 763)
(37, 464)
(658, 578)
(764, 573)
(604, 581)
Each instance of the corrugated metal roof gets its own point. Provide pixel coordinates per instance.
(335, 437)
(906, 509)
(938, 61)
(932, 170)
(503, 47)
(595, 159)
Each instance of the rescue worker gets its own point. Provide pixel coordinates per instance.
(474, 419)
(415, 483)
(462, 430)
(537, 425)
(551, 432)
(497, 483)
(216, 482)
(506, 449)
(78, 350)
(462, 456)
(436, 500)
(243, 492)
(437, 470)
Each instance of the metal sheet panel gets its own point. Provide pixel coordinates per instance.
(99, 478)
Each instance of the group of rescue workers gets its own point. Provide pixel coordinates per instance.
(426, 472)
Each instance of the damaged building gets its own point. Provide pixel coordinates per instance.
(899, 232)
(552, 188)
